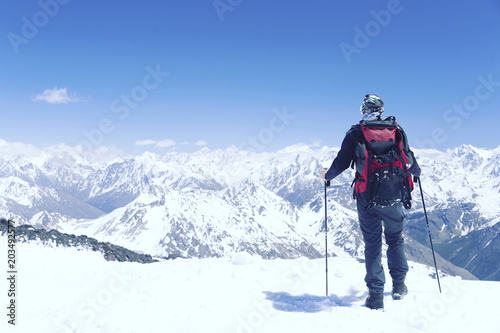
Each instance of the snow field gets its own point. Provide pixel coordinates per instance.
(65, 290)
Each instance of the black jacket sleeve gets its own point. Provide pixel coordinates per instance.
(345, 156)
(414, 168)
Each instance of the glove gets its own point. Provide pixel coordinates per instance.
(415, 170)
(322, 174)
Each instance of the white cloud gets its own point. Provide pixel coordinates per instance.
(158, 144)
(316, 143)
(200, 143)
(57, 96)
(13, 149)
(60, 153)
(146, 142)
(165, 143)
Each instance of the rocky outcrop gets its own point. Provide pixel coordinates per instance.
(54, 238)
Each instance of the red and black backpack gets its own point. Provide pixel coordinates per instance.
(381, 164)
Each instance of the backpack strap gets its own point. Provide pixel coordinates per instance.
(405, 184)
(370, 187)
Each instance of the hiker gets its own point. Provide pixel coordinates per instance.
(378, 150)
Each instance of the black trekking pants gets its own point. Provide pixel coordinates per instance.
(372, 221)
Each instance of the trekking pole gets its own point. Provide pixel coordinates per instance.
(428, 230)
(327, 183)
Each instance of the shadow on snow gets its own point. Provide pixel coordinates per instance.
(283, 301)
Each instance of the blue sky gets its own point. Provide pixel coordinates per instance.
(180, 75)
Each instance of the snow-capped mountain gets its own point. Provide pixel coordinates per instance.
(217, 202)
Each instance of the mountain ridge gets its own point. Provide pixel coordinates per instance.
(265, 201)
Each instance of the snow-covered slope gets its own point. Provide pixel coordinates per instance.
(246, 217)
(65, 290)
(217, 202)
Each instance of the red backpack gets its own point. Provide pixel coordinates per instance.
(381, 164)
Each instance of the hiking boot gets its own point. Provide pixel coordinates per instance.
(375, 301)
(399, 291)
